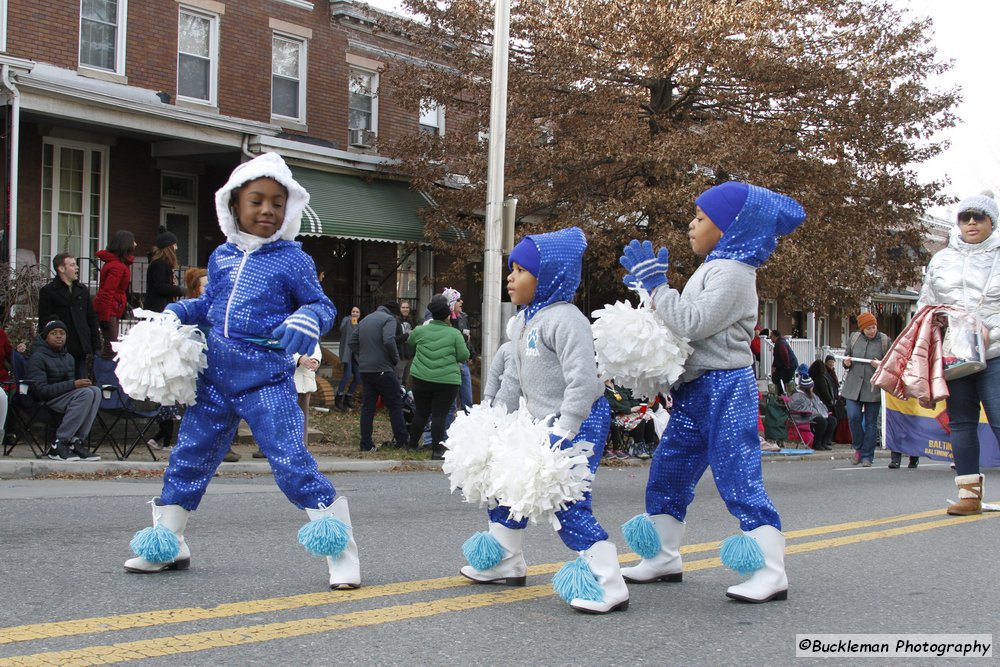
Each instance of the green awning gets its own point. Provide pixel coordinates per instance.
(349, 207)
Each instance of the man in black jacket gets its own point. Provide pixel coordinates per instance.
(67, 300)
(50, 371)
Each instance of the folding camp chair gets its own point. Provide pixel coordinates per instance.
(26, 412)
(779, 425)
(126, 423)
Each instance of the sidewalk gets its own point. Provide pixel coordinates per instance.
(23, 466)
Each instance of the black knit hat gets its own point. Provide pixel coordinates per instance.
(165, 238)
(439, 308)
(53, 324)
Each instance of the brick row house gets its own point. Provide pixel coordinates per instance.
(129, 114)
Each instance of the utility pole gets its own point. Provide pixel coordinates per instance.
(493, 254)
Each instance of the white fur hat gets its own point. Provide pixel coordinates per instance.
(266, 165)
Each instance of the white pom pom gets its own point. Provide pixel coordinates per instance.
(468, 461)
(159, 359)
(495, 457)
(648, 358)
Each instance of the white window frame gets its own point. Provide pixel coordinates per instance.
(3, 25)
(407, 284)
(87, 212)
(303, 69)
(769, 313)
(213, 51)
(432, 116)
(120, 40)
(373, 93)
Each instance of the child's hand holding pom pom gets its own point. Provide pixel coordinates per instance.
(159, 359)
(649, 359)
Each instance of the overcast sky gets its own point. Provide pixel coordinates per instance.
(964, 31)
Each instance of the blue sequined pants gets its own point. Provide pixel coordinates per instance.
(243, 381)
(713, 422)
(579, 529)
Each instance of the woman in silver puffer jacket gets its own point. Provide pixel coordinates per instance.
(966, 274)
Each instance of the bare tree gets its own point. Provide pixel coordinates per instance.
(620, 113)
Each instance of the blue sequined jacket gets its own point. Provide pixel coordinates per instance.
(250, 293)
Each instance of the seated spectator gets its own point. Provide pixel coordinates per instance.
(806, 406)
(629, 415)
(822, 385)
(51, 371)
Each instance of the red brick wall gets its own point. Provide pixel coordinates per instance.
(133, 192)
(49, 32)
(29, 188)
(44, 31)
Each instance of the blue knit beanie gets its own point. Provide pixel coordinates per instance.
(526, 254)
(722, 203)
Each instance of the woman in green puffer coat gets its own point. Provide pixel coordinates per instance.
(438, 349)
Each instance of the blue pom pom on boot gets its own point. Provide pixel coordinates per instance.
(657, 539)
(768, 580)
(163, 546)
(330, 534)
(496, 556)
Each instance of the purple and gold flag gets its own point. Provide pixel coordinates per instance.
(916, 431)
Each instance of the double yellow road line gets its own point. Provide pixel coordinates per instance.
(799, 541)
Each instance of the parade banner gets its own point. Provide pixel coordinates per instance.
(916, 431)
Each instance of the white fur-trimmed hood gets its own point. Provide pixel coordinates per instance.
(269, 165)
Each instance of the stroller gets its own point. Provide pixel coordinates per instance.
(779, 425)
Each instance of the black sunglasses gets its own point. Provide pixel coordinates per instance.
(965, 216)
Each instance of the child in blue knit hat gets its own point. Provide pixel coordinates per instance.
(553, 368)
(714, 419)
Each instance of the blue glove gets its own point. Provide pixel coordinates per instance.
(645, 268)
(561, 440)
(299, 333)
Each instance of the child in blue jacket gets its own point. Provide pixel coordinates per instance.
(263, 303)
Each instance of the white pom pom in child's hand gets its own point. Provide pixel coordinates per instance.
(636, 349)
(468, 461)
(506, 459)
(159, 359)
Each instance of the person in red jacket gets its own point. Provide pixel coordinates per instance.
(116, 275)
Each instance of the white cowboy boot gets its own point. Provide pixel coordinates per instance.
(970, 495)
(769, 582)
(666, 564)
(329, 533)
(161, 547)
(593, 583)
(496, 557)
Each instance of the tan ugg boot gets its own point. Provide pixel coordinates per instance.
(970, 495)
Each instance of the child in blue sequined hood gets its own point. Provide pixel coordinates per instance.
(552, 367)
(714, 418)
(263, 302)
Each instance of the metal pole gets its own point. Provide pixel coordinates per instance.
(493, 254)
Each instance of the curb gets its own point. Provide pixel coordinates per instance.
(32, 468)
(35, 468)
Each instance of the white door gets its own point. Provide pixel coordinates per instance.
(182, 220)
